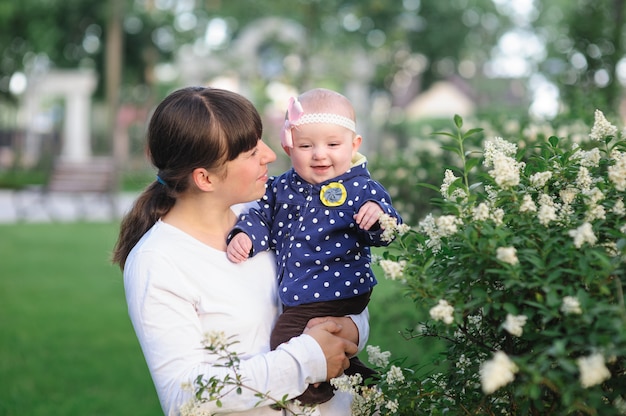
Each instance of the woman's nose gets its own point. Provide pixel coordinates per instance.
(268, 155)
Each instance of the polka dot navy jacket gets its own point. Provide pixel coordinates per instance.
(321, 253)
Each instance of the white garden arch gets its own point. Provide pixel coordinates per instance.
(76, 88)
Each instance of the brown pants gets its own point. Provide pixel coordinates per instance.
(292, 322)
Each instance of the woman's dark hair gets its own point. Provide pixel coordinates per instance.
(193, 127)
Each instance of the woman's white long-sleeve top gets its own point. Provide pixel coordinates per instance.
(178, 289)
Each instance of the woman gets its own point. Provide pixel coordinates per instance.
(206, 144)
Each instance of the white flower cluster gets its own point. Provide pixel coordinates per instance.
(500, 155)
(215, 340)
(568, 195)
(617, 172)
(194, 408)
(392, 405)
(447, 225)
(390, 227)
(583, 234)
(463, 364)
(528, 205)
(394, 375)
(448, 179)
(547, 209)
(393, 270)
(376, 357)
(601, 127)
(481, 212)
(514, 324)
(592, 370)
(443, 311)
(539, 179)
(368, 395)
(594, 210)
(496, 147)
(571, 306)
(507, 255)
(364, 398)
(346, 383)
(485, 211)
(619, 208)
(439, 227)
(587, 158)
(497, 372)
(506, 171)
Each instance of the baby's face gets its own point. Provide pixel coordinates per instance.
(322, 151)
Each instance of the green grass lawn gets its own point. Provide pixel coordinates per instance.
(66, 344)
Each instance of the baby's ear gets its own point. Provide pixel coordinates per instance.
(287, 150)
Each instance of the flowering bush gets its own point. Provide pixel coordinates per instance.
(392, 392)
(523, 271)
(397, 382)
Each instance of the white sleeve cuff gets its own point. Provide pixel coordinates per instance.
(308, 353)
(362, 322)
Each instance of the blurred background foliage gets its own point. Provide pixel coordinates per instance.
(521, 61)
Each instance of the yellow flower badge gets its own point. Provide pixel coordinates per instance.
(333, 194)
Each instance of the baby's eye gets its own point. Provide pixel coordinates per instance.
(304, 146)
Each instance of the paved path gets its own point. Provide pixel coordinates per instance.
(60, 208)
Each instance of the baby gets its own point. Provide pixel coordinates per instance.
(320, 217)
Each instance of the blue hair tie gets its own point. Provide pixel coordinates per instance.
(161, 181)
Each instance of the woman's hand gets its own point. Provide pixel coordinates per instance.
(348, 330)
(336, 349)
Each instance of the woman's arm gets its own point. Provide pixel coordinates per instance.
(165, 319)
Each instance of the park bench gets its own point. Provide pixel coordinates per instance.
(79, 181)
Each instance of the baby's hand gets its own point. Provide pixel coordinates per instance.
(238, 249)
(368, 215)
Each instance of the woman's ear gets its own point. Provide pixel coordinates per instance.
(203, 179)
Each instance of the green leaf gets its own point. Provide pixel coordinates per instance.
(428, 185)
(453, 149)
(554, 141)
(510, 308)
(471, 163)
(458, 121)
(475, 185)
(473, 131)
(443, 133)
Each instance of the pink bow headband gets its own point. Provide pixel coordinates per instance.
(296, 117)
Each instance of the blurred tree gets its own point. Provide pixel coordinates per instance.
(406, 38)
(64, 34)
(407, 44)
(586, 52)
(426, 41)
